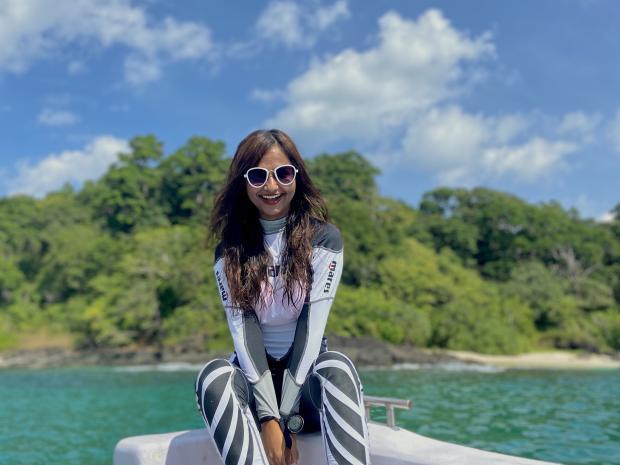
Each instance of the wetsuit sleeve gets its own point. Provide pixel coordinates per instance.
(327, 262)
(247, 338)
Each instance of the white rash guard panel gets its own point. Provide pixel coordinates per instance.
(278, 326)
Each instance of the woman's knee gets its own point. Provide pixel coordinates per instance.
(338, 370)
(212, 380)
(213, 368)
(332, 361)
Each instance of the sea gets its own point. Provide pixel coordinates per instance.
(75, 416)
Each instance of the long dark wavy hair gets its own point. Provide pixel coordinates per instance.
(235, 224)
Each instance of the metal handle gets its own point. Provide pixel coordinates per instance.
(389, 403)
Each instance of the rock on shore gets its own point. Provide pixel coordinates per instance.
(364, 351)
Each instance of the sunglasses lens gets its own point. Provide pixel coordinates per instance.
(257, 176)
(286, 174)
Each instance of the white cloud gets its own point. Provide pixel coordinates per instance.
(141, 69)
(326, 16)
(608, 217)
(50, 117)
(360, 95)
(508, 127)
(579, 125)
(266, 96)
(36, 29)
(281, 21)
(463, 148)
(444, 137)
(76, 67)
(613, 132)
(74, 166)
(528, 161)
(400, 96)
(298, 26)
(589, 209)
(61, 99)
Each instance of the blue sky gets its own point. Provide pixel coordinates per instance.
(516, 96)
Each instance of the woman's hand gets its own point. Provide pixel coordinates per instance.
(291, 456)
(273, 442)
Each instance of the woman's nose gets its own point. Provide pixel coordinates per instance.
(271, 183)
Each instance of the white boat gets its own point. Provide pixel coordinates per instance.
(389, 445)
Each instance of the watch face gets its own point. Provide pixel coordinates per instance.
(295, 423)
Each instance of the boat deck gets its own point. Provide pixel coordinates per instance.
(388, 446)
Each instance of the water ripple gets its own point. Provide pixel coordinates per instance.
(560, 416)
(76, 416)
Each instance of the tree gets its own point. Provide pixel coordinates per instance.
(365, 241)
(483, 227)
(465, 311)
(348, 182)
(191, 176)
(75, 255)
(129, 194)
(345, 175)
(545, 292)
(369, 312)
(20, 241)
(11, 279)
(165, 271)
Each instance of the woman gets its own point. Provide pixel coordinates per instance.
(277, 268)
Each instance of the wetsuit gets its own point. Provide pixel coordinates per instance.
(283, 342)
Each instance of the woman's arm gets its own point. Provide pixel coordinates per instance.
(248, 341)
(327, 262)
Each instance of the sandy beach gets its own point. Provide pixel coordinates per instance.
(541, 360)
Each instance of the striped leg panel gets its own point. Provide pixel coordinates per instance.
(343, 419)
(222, 398)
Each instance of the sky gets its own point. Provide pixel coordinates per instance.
(522, 97)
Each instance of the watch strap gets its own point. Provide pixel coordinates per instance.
(288, 441)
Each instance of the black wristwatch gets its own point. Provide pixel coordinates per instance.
(293, 424)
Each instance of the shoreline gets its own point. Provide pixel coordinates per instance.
(545, 360)
(364, 352)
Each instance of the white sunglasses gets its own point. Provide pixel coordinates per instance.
(284, 174)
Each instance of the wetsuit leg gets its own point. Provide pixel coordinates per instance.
(336, 390)
(223, 396)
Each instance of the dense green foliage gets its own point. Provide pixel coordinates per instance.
(124, 262)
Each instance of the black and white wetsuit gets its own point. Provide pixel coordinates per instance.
(284, 342)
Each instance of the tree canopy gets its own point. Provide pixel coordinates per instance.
(123, 261)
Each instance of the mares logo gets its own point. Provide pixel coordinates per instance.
(221, 287)
(330, 276)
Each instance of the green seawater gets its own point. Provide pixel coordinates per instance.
(75, 416)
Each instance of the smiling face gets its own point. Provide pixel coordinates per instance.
(273, 200)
